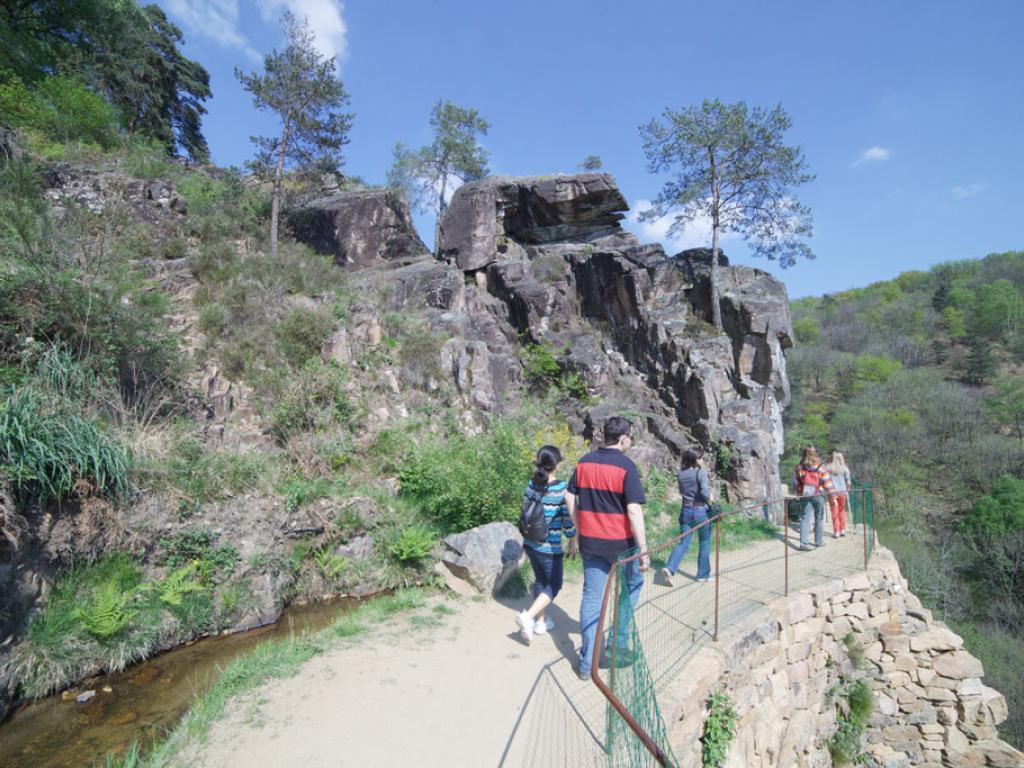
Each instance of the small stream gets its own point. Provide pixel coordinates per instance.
(143, 702)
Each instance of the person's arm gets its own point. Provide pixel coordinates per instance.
(636, 522)
(569, 508)
(705, 485)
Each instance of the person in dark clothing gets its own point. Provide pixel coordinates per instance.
(695, 488)
(604, 497)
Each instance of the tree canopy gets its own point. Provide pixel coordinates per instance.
(125, 53)
(727, 163)
(302, 87)
(427, 174)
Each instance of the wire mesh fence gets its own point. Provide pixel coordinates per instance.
(716, 573)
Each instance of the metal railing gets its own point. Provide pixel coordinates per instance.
(649, 651)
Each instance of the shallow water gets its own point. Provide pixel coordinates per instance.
(144, 701)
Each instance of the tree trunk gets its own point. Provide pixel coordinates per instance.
(716, 307)
(716, 201)
(275, 195)
(441, 208)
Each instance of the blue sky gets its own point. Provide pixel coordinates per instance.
(910, 113)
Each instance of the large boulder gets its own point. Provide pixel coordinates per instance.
(359, 228)
(484, 215)
(484, 557)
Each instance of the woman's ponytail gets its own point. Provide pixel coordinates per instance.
(548, 457)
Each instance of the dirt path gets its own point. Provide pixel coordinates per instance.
(469, 692)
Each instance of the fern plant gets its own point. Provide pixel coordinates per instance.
(107, 613)
(173, 589)
(330, 564)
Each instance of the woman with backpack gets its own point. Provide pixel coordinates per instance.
(544, 492)
(813, 483)
(695, 489)
(842, 482)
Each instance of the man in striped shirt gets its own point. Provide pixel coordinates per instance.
(604, 498)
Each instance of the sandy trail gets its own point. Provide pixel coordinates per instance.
(470, 693)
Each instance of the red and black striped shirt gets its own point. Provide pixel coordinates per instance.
(604, 482)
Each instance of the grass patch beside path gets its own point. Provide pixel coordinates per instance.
(268, 661)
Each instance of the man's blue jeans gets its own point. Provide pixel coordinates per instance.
(690, 518)
(595, 576)
(817, 504)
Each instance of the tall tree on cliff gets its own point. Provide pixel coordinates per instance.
(428, 174)
(728, 165)
(303, 88)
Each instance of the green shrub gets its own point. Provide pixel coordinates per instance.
(845, 745)
(466, 481)
(315, 400)
(719, 730)
(60, 108)
(301, 333)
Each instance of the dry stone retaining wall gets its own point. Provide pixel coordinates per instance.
(781, 668)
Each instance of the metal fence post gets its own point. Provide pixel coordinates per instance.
(864, 515)
(718, 568)
(785, 539)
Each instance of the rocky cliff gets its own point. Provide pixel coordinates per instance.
(544, 260)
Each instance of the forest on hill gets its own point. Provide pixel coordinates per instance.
(918, 381)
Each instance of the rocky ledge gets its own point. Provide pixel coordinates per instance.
(544, 260)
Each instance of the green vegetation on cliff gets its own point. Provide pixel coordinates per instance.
(917, 381)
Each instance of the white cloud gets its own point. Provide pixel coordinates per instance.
(969, 191)
(216, 20)
(697, 233)
(324, 16)
(874, 154)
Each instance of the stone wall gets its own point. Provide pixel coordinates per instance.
(781, 668)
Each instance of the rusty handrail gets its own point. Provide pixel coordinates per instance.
(645, 738)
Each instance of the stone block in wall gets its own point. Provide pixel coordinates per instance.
(925, 716)
(925, 676)
(839, 627)
(796, 609)
(857, 581)
(935, 693)
(822, 594)
(809, 629)
(971, 759)
(936, 639)
(958, 665)
(972, 686)
(980, 732)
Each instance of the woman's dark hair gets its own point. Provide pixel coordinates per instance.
(548, 457)
(691, 456)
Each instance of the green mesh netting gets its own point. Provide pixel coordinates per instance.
(754, 559)
(630, 679)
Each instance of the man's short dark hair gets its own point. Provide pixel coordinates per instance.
(614, 429)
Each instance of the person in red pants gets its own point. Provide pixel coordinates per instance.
(840, 502)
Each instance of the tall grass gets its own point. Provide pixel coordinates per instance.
(46, 453)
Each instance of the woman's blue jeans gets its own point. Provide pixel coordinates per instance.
(690, 518)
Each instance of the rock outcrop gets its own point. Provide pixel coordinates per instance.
(359, 228)
(546, 261)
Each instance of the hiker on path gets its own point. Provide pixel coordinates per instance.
(813, 484)
(842, 483)
(604, 497)
(546, 557)
(695, 488)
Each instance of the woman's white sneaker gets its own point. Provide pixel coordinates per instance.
(526, 626)
(543, 627)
